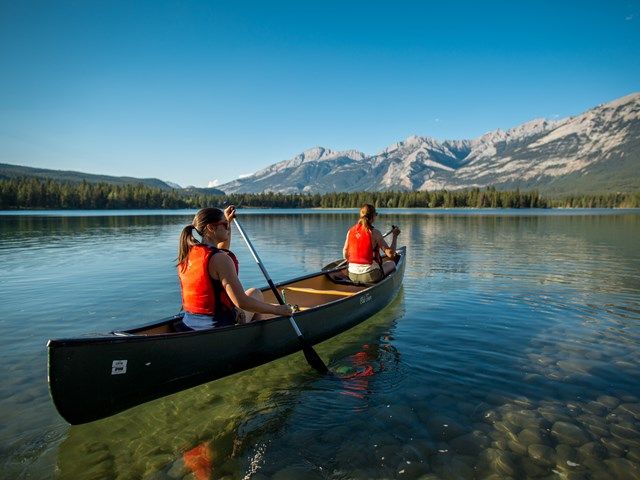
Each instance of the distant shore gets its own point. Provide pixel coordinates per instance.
(388, 210)
(34, 193)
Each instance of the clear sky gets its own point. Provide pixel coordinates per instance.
(197, 91)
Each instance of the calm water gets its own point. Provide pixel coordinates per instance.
(511, 351)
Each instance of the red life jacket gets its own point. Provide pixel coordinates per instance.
(359, 247)
(200, 293)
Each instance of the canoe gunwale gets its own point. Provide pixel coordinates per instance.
(84, 374)
(123, 336)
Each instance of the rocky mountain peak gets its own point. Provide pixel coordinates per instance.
(595, 150)
(319, 154)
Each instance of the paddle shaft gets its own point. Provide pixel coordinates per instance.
(389, 232)
(312, 357)
(259, 262)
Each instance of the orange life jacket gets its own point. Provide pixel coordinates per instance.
(202, 294)
(359, 247)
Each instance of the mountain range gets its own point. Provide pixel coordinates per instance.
(596, 151)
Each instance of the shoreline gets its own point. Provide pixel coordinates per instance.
(27, 209)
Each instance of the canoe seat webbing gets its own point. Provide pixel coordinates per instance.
(319, 292)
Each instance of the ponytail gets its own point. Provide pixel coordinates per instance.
(204, 217)
(187, 240)
(367, 212)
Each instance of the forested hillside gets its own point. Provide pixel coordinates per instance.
(33, 193)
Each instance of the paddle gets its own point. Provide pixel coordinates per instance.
(393, 227)
(310, 354)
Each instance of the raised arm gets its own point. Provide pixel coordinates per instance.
(229, 215)
(389, 250)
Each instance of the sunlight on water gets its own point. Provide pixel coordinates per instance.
(510, 351)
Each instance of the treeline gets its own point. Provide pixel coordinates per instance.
(472, 198)
(609, 200)
(33, 193)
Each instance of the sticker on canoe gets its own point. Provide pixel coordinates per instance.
(365, 298)
(118, 367)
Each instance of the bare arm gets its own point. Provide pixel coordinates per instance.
(345, 249)
(229, 215)
(221, 267)
(380, 242)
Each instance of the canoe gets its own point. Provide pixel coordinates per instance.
(98, 376)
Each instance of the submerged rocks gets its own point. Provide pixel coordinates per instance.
(608, 401)
(626, 432)
(529, 436)
(623, 469)
(573, 366)
(542, 454)
(444, 428)
(634, 455)
(613, 446)
(470, 444)
(566, 455)
(505, 463)
(517, 447)
(569, 433)
(595, 408)
(507, 428)
(632, 409)
(595, 425)
(574, 438)
(409, 469)
(592, 450)
(553, 413)
(521, 418)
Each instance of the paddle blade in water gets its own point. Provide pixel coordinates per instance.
(309, 353)
(312, 357)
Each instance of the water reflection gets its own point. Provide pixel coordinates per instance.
(512, 351)
(228, 416)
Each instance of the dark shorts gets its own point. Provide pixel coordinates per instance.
(373, 276)
(193, 321)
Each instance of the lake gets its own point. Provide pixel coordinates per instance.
(511, 351)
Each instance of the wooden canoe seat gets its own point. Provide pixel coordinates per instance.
(319, 292)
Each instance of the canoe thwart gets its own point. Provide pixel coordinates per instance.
(320, 292)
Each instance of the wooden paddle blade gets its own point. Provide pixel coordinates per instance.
(312, 357)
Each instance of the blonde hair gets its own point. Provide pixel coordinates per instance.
(367, 212)
(204, 217)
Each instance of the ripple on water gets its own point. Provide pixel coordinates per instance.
(511, 352)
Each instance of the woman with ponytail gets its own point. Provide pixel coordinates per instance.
(212, 295)
(362, 249)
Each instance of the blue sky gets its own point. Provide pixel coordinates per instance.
(197, 91)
